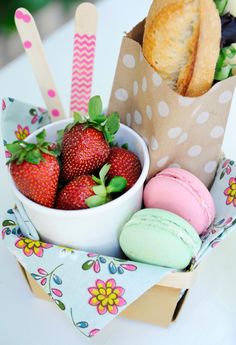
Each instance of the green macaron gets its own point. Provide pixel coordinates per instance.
(159, 237)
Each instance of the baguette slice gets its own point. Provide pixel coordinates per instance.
(182, 43)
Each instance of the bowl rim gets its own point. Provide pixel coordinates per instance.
(90, 211)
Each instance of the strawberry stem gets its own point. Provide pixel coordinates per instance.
(32, 153)
(103, 192)
(108, 125)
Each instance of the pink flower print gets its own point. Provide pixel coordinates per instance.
(3, 105)
(227, 166)
(42, 110)
(93, 332)
(226, 163)
(230, 192)
(22, 133)
(106, 296)
(7, 154)
(31, 247)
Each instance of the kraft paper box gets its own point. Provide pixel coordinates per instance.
(179, 131)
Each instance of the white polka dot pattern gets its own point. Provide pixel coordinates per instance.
(163, 109)
(121, 95)
(185, 101)
(144, 84)
(210, 167)
(179, 131)
(129, 61)
(137, 117)
(175, 165)
(183, 138)
(135, 88)
(225, 97)
(173, 133)
(154, 144)
(156, 79)
(217, 132)
(128, 119)
(194, 151)
(203, 117)
(162, 161)
(149, 112)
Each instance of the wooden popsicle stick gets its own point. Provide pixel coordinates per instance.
(86, 19)
(34, 48)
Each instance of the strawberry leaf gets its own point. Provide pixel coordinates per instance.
(54, 153)
(29, 152)
(108, 136)
(117, 184)
(95, 200)
(78, 118)
(33, 156)
(60, 134)
(96, 179)
(125, 146)
(103, 172)
(14, 147)
(100, 190)
(41, 137)
(98, 119)
(95, 107)
(113, 123)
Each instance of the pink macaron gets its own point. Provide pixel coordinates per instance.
(180, 192)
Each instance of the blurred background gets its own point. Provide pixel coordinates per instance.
(49, 15)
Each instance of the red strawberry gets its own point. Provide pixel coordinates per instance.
(89, 191)
(124, 163)
(85, 143)
(35, 170)
(74, 194)
(83, 151)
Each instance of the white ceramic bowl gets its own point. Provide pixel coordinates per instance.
(95, 229)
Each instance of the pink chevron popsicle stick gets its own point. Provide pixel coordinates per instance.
(34, 49)
(83, 57)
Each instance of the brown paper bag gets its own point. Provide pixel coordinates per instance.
(179, 131)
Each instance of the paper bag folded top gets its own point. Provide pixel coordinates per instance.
(179, 131)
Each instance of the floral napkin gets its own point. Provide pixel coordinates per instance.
(91, 289)
(223, 192)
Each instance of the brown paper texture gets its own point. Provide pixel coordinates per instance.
(179, 131)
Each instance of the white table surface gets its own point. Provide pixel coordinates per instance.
(209, 313)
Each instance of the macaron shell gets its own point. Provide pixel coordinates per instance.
(147, 239)
(178, 191)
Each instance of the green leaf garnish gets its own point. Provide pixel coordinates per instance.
(117, 184)
(113, 122)
(78, 118)
(60, 134)
(103, 192)
(95, 107)
(221, 5)
(41, 137)
(100, 190)
(226, 63)
(103, 172)
(125, 146)
(95, 200)
(109, 125)
(32, 153)
(96, 179)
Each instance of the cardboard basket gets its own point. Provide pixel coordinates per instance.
(160, 305)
